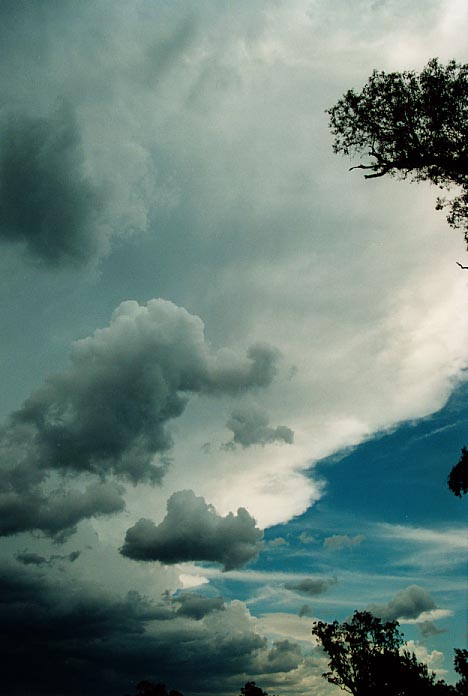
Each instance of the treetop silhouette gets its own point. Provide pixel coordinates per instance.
(411, 125)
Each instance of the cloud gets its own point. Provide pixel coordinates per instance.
(195, 606)
(428, 628)
(277, 542)
(31, 558)
(193, 531)
(47, 201)
(108, 412)
(427, 548)
(434, 659)
(57, 512)
(284, 656)
(306, 538)
(97, 642)
(337, 542)
(249, 423)
(311, 586)
(409, 603)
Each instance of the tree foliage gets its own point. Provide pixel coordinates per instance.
(149, 688)
(411, 125)
(366, 658)
(251, 689)
(461, 667)
(458, 477)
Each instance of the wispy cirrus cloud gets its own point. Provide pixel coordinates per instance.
(424, 547)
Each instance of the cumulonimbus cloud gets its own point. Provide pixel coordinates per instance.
(193, 531)
(38, 615)
(107, 414)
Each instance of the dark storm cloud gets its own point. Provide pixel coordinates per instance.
(108, 412)
(409, 603)
(193, 531)
(58, 512)
(85, 641)
(311, 586)
(30, 558)
(249, 424)
(47, 202)
(195, 606)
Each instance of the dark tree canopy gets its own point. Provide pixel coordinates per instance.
(366, 660)
(149, 688)
(461, 667)
(251, 689)
(458, 478)
(411, 125)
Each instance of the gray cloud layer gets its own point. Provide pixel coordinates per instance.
(58, 512)
(195, 606)
(249, 425)
(46, 200)
(311, 586)
(31, 558)
(193, 531)
(409, 603)
(97, 643)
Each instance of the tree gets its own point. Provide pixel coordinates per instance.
(458, 477)
(149, 688)
(412, 126)
(461, 667)
(251, 689)
(366, 659)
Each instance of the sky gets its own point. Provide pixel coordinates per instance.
(234, 373)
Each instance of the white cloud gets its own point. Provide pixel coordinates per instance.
(423, 547)
(284, 625)
(433, 659)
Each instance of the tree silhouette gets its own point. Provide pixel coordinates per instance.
(366, 659)
(461, 667)
(411, 125)
(251, 689)
(149, 688)
(458, 477)
(415, 126)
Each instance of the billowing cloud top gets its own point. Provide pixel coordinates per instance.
(108, 412)
(193, 531)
